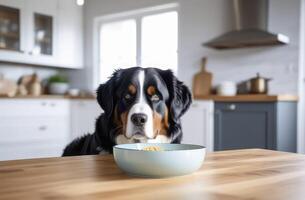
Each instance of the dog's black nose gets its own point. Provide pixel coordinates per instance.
(139, 119)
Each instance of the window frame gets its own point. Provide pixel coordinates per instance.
(137, 15)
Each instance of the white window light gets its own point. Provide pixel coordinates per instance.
(146, 38)
(80, 2)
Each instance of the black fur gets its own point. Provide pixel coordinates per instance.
(179, 101)
(102, 139)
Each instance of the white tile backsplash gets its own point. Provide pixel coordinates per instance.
(202, 20)
(14, 72)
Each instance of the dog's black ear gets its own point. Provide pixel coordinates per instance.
(106, 92)
(180, 97)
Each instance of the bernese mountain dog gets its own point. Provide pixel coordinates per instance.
(140, 105)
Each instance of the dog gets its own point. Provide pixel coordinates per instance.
(140, 105)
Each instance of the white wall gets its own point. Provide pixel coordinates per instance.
(14, 72)
(199, 19)
(301, 85)
(202, 20)
(277, 62)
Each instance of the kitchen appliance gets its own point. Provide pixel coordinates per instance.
(250, 27)
(202, 81)
(259, 85)
(226, 88)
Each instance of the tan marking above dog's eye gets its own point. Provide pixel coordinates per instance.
(132, 89)
(151, 90)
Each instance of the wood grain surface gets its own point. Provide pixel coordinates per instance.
(202, 81)
(239, 174)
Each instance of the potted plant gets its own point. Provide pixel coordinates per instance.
(58, 84)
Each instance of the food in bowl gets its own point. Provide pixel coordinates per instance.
(173, 160)
(152, 148)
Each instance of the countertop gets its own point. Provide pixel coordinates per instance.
(237, 98)
(238, 174)
(48, 96)
(249, 98)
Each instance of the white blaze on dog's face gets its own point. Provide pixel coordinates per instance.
(143, 111)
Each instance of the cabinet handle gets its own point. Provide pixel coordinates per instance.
(43, 103)
(53, 104)
(232, 107)
(42, 128)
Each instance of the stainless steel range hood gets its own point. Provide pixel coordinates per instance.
(251, 17)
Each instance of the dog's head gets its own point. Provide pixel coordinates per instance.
(144, 105)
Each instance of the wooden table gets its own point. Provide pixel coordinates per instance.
(241, 174)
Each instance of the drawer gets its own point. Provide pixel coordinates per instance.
(238, 106)
(30, 107)
(34, 129)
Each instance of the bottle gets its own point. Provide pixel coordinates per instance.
(35, 87)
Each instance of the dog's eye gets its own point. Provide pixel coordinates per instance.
(127, 96)
(155, 98)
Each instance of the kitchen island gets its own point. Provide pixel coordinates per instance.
(237, 174)
(254, 121)
(249, 98)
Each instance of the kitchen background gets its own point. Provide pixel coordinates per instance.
(74, 55)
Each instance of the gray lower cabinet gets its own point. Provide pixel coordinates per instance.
(255, 125)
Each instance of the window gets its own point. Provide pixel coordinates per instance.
(148, 39)
(159, 40)
(117, 46)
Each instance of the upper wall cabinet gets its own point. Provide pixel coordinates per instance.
(42, 27)
(12, 34)
(9, 28)
(41, 32)
(70, 35)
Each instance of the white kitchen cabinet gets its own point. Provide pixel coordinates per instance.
(83, 116)
(60, 43)
(70, 34)
(32, 128)
(42, 21)
(11, 54)
(197, 124)
(34, 107)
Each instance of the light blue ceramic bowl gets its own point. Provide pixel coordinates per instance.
(174, 160)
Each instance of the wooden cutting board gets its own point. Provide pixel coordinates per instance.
(202, 81)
